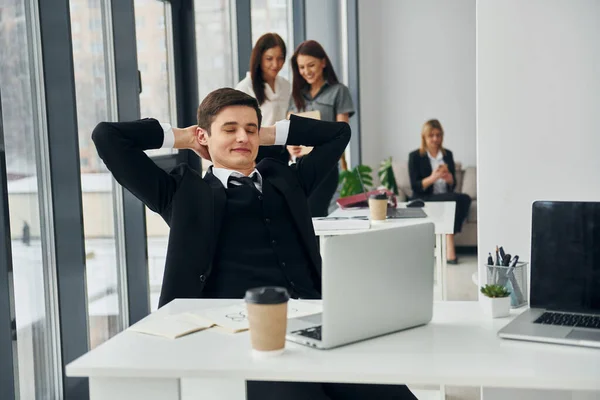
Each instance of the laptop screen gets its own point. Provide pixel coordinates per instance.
(565, 256)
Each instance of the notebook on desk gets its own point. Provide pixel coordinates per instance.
(565, 276)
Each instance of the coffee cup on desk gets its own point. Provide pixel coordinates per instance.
(378, 206)
(267, 317)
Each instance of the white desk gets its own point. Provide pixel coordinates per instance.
(440, 213)
(459, 347)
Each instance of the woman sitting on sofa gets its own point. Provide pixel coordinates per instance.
(433, 178)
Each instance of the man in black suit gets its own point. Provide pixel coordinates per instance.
(244, 224)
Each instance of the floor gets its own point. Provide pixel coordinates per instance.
(460, 284)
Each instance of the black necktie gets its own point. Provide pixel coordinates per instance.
(242, 180)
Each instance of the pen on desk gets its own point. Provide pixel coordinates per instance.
(513, 265)
(495, 267)
(490, 263)
(517, 293)
(503, 272)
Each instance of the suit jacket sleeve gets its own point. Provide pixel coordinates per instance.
(449, 159)
(277, 152)
(414, 172)
(329, 140)
(121, 146)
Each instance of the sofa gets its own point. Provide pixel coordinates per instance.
(466, 182)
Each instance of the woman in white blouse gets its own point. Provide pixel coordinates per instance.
(270, 90)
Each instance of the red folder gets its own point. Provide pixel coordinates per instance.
(361, 200)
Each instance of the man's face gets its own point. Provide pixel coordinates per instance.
(233, 141)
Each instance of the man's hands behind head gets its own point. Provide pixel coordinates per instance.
(189, 138)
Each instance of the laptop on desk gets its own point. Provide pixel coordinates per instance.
(399, 213)
(565, 276)
(374, 282)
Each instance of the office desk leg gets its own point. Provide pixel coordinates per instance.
(134, 388)
(440, 263)
(444, 268)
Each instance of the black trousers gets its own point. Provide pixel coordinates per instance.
(463, 202)
(259, 390)
(320, 198)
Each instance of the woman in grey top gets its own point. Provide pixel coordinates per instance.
(316, 88)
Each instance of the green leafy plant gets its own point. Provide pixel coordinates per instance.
(350, 182)
(387, 177)
(495, 291)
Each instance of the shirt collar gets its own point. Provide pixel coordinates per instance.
(307, 91)
(268, 91)
(223, 174)
(439, 157)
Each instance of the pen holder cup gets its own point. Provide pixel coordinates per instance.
(515, 281)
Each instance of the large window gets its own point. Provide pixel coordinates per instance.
(274, 16)
(35, 304)
(157, 100)
(151, 17)
(93, 105)
(214, 45)
(155, 63)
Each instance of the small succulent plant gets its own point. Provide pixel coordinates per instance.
(494, 291)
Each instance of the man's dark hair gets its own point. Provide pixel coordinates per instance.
(221, 98)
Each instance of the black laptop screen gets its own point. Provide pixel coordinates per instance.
(565, 256)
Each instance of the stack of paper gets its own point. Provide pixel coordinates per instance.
(340, 223)
(232, 318)
(171, 326)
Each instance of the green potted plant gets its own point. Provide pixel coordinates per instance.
(350, 180)
(387, 177)
(495, 301)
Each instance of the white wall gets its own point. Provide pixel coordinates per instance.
(323, 25)
(417, 62)
(538, 92)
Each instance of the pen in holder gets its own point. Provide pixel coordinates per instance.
(514, 278)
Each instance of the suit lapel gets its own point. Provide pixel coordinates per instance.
(425, 165)
(219, 200)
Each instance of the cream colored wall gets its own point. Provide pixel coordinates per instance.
(98, 216)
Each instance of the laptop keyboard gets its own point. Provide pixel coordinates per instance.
(313, 332)
(580, 321)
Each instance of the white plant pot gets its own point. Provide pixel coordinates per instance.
(496, 307)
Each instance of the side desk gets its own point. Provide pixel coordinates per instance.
(440, 213)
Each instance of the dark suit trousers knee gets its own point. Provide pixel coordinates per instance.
(463, 202)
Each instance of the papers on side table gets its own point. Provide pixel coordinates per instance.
(232, 318)
(341, 223)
